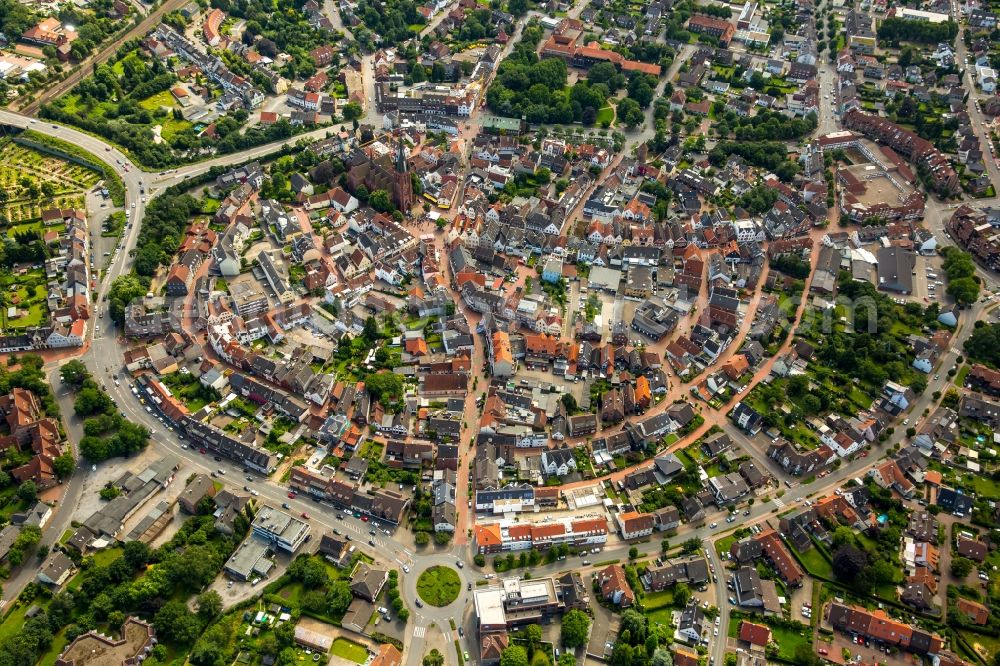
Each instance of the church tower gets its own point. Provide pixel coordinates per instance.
(402, 191)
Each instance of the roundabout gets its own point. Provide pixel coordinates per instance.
(439, 586)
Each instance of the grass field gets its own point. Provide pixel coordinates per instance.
(606, 114)
(788, 640)
(816, 564)
(347, 649)
(439, 586)
(986, 646)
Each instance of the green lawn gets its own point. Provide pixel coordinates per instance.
(662, 615)
(988, 646)
(605, 114)
(439, 586)
(347, 649)
(158, 100)
(657, 600)
(788, 640)
(962, 373)
(985, 486)
(13, 622)
(816, 564)
(723, 545)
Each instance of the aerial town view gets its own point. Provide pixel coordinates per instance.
(499, 332)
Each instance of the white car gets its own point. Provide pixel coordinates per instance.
(713, 526)
(406, 569)
(715, 632)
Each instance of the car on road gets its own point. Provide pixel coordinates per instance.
(286, 505)
(461, 632)
(217, 458)
(305, 515)
(406, 569)
(292, 494)
(747, 512)
(248, 477)
(419, 603)
(364, 519)
(460, 564)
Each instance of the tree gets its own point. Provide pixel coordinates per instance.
(691, 545)
(630, 113)
(661, 657)
(175, 622)
(633, 553)
(517, 7)
(574, 630)
(64, 465)
(682, 594)
(379, 200)
(421, 538)
(74, 373)
(27, 491)
(136, 554)
(533, 634)
(352, 111)
(434, 658)
(479, 560)
(514, 655)
(313, 573)
(964, 290)
(848, 562)
(621, 655)
(961, 567)
(126, 288)
(209, 605)
(442, 538)
(339, 597)
(91, 400)
(385, 386)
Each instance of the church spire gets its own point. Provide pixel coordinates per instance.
(400, 157)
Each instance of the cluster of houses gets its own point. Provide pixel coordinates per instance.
(68, 287)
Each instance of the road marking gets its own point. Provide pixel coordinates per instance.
(447, 636)
(419, 631)
(778, 503)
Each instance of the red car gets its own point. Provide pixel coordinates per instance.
(305, 515)
(292, 494)
(823, 651)
(364, 519)
(202, 451)
(864, 454)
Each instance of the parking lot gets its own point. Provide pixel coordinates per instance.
(866, 654)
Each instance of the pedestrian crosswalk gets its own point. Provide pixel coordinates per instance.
(419, 631)
(778, 504)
